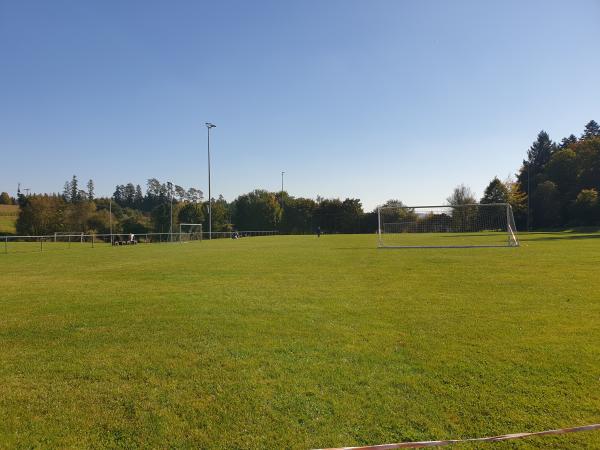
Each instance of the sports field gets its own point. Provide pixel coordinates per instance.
(8, 218)
(299, 342)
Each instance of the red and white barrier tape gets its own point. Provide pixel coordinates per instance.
(504, 437)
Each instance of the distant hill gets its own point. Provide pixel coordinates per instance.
(8, 219)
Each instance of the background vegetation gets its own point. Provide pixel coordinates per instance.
(559, 182)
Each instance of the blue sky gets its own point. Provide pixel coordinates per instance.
(371, 99)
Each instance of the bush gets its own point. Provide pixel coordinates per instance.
(586, 207)
(5, 199)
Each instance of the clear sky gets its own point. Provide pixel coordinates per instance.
(367, 99)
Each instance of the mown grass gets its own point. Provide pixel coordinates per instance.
(299, 342)
(8, 219)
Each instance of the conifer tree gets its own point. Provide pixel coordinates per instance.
(592, 130)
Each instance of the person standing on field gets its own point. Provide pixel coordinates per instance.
(319, 232)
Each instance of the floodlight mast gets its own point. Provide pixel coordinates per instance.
(282, 172)
(170, 184)
(208, 127)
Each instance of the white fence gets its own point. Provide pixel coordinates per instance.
(55, 241)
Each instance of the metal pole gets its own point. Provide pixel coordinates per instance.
(528, 191)
(379, 225)
(209, 193)
(282, 189)
(171, 228)
(110, 220)
(508, 222)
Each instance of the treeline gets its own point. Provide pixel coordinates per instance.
(164, 206)
(562, 180)
(556, 186)
(128, 210)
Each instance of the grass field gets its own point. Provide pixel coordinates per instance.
(299, 342)
(8, 219)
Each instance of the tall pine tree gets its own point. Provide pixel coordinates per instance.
(74, 189)
(592, 130)
(90, 190)
(67, 192)
(495, 192)
(572, 139)
(540, 151)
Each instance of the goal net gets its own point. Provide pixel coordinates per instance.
(472, 225)
(190, 232)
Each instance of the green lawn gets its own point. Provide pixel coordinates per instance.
(8, 219)
(299, 342)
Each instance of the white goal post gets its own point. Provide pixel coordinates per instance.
(190, 232)
(448, 226)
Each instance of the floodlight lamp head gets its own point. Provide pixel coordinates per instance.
(210, 125)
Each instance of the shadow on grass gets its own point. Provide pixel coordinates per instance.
(526, 238)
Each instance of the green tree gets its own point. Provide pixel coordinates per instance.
(5, 199)
(99, 222)
(129, 195)
(495, 192)
(352, 213)
(90, 190)
(77, 215)
(66, 195)
(461, 195)
(328, 215)
(161, 218)
(592, 130)
(538, 156)
(541, 151)
(156, 194)
(139, 197)
(221, 216)
(194, 195)
(587, 207)
(566, 142)
(588, 163)
(119, 195)
(190, 213)
(135, 222)
(531, 173)
(562, 169)
(256, 210)
(74, 185)
(395, 212)
(41, 214)
(518, 201)
(298, 215)
(547, 212)
(179, 192)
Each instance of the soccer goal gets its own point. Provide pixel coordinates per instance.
(190, 232)
(460, 226)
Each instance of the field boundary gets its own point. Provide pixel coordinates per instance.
(503, 437)
(40, 241)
